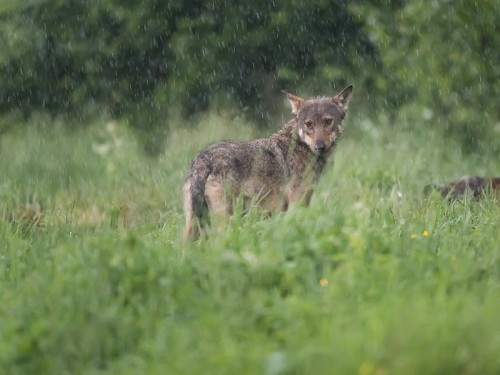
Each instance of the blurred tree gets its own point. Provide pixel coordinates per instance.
(72, 57)
(441, 57)
(137, 59)
(131, 59)
(250, 50)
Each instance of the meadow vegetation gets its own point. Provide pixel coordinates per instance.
(373, 278)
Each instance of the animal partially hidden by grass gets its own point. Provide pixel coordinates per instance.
(274, 172)
(475, 186)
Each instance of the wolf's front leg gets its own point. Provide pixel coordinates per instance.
(300, 193)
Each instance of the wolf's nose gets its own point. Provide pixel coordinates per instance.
(319, 146)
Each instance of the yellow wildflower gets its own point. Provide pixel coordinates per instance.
(425, 233)
(366, 369)
(323, 281)
(413, 236)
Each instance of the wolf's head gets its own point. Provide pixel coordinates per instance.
(319, 120)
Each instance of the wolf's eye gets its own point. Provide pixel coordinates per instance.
(308, 124)
(328, 121)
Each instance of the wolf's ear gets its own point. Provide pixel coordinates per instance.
(343, 98)
(295, 101)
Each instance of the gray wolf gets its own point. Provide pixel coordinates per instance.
(272, 172)
(475, 186)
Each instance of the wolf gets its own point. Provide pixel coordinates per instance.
(476, 186)
(273, 172)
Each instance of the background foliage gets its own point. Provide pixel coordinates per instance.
(442, 58)
(372, 278)
(143, 61)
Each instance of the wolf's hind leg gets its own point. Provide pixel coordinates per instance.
(219, 205)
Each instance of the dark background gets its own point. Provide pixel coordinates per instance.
(435, 62)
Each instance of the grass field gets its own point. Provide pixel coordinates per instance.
(371, 279)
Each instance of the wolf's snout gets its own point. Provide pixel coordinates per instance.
(319, 146)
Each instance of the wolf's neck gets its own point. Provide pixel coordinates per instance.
(287, 138)
(297, 154)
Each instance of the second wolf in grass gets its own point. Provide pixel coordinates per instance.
(274, 172)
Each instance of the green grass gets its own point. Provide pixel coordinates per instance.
(94, 278)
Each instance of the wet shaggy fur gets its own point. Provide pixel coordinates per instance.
(475, 186)
(273, 172)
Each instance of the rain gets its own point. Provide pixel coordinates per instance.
(390, 265)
